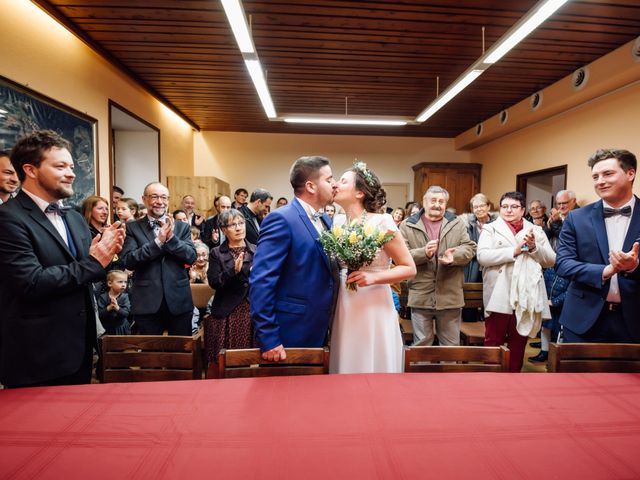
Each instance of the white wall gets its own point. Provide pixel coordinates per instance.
(252, 160)
(136, 161)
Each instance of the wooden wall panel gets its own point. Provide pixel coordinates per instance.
(203, 189)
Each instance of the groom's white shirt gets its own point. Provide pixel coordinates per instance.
(310, 213)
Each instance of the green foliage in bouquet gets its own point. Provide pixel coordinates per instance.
(355, 244)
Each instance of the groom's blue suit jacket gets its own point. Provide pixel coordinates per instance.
(292, 284)
(583, 253)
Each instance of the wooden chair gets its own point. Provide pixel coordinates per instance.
(138, 358)
(472, 295)
(201, 293)
(470, 359)
(249, 363)
(594, 357)
(472, 333)
(406, 329)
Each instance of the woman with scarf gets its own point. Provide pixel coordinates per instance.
(501, 243)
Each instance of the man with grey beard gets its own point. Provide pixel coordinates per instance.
(440, 246)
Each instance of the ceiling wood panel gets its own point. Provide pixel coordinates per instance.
(384, 56)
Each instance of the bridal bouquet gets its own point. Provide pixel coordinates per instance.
(355, 244)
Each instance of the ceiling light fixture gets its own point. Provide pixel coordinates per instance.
(237, 19)
(521, 29)
(235, 14)
(514, 35)
(347, 120)
(260, 84)
(453, 90)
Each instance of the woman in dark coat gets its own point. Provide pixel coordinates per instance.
(229, 325)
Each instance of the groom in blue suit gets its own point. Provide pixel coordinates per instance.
(293, 283)
(598, 251)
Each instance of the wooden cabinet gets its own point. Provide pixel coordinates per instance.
(461, 180)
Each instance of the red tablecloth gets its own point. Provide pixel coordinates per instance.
(467, 426)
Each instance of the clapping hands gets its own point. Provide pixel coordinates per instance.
(108, 243)
(166, 230)
(624, 262)
(447, 257)
(431, 248)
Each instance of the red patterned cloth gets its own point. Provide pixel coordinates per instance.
(527, 426)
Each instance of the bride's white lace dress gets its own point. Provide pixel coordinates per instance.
(365, 334)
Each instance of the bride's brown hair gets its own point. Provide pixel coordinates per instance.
(368, 183)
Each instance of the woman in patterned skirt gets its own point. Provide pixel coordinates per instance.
(229, 325)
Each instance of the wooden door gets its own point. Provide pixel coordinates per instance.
(461, 180)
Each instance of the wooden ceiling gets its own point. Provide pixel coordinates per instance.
(383, 55)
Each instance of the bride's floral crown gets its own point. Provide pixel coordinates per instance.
(366, 173)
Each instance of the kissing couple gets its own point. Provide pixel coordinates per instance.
(298, 293)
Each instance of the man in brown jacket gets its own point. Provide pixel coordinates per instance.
(440, 246)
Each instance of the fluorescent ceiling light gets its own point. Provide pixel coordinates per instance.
(238, 22)
(260, 84)
(521, 29)
(347, 120)
(448, 94)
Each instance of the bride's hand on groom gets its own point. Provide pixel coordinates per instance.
(275, 354)
(362, 279)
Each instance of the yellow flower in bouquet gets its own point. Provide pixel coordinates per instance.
(355, 244)
(369, 230)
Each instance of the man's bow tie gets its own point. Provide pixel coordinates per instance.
(57, 208)
(317, 215)
(612, 212)
(155, 223)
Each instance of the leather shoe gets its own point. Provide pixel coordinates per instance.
(540, 358)
(535, 344)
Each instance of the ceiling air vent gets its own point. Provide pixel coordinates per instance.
(579, 78)
(479, 129)
(536, 100)
(635, 50)
(504, 115)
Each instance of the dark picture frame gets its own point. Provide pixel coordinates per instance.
(24, 111)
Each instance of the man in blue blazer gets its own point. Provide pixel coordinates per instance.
(293, 283)
(598, 251)
(158, 250)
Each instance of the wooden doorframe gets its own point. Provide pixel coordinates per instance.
(523, 178)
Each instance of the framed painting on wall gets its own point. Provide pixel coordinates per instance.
(23, 111)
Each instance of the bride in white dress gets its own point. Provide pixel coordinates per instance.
(365, 334)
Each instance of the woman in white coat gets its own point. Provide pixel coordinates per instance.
(499, 245)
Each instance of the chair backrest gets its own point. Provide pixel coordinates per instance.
(201, 293)
(138, 358)
(470, 359)
(594, 357)
(472, 295)
(249, 363)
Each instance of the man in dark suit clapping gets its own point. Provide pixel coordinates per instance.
(47, 264)
(158, 250)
